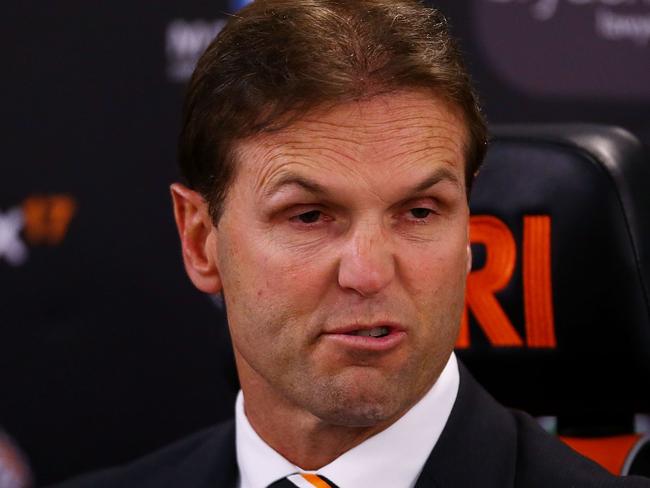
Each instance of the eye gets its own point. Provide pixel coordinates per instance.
(421, 212)
(310, 217)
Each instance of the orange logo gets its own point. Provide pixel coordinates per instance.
(44, 220)
(47, 218)
(484, 283)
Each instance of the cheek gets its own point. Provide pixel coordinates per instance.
(283, 275)
(436, 271)
(273, 279)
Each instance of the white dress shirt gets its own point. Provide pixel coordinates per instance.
(393, 458)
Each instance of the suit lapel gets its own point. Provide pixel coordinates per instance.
(213, 465)
(478, 444)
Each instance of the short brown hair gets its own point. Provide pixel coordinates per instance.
(277, 59)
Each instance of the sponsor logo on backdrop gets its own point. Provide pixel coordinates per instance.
(41, 220)
(12, 248)
(185, 41)
(615, 26)
(572, 48)
(238, 4)
(609, 23)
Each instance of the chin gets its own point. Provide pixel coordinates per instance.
(356, 405)
(361, 415)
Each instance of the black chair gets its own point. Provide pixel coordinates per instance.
(559, 295)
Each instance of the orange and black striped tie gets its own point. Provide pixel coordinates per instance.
(303, 480)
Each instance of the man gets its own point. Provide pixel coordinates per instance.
(329, 147)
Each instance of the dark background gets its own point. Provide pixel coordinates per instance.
(106, 350)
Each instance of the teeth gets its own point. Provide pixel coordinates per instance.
(374, 332)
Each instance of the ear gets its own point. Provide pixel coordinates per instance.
(198, 238)
(469, 258)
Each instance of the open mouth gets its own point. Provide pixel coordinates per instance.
(374, 332)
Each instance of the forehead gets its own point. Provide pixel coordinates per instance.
(388, 135)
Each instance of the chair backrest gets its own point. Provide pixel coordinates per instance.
(558, 320)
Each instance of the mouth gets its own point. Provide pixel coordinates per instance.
(381, 331)
(369, 337)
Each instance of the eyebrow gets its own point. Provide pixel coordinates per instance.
(440, 174)
(290, 178)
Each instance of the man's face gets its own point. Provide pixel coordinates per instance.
(351, 221)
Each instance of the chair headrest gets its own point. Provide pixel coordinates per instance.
(559, 295)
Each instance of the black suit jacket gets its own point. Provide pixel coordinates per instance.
(483, 445)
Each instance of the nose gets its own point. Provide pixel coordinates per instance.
(367, 263)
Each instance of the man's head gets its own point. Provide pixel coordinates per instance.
(329, 146)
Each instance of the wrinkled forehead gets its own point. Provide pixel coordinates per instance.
(395, 133)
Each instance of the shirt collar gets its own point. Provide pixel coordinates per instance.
(403, 447)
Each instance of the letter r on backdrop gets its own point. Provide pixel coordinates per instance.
(494, 276)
